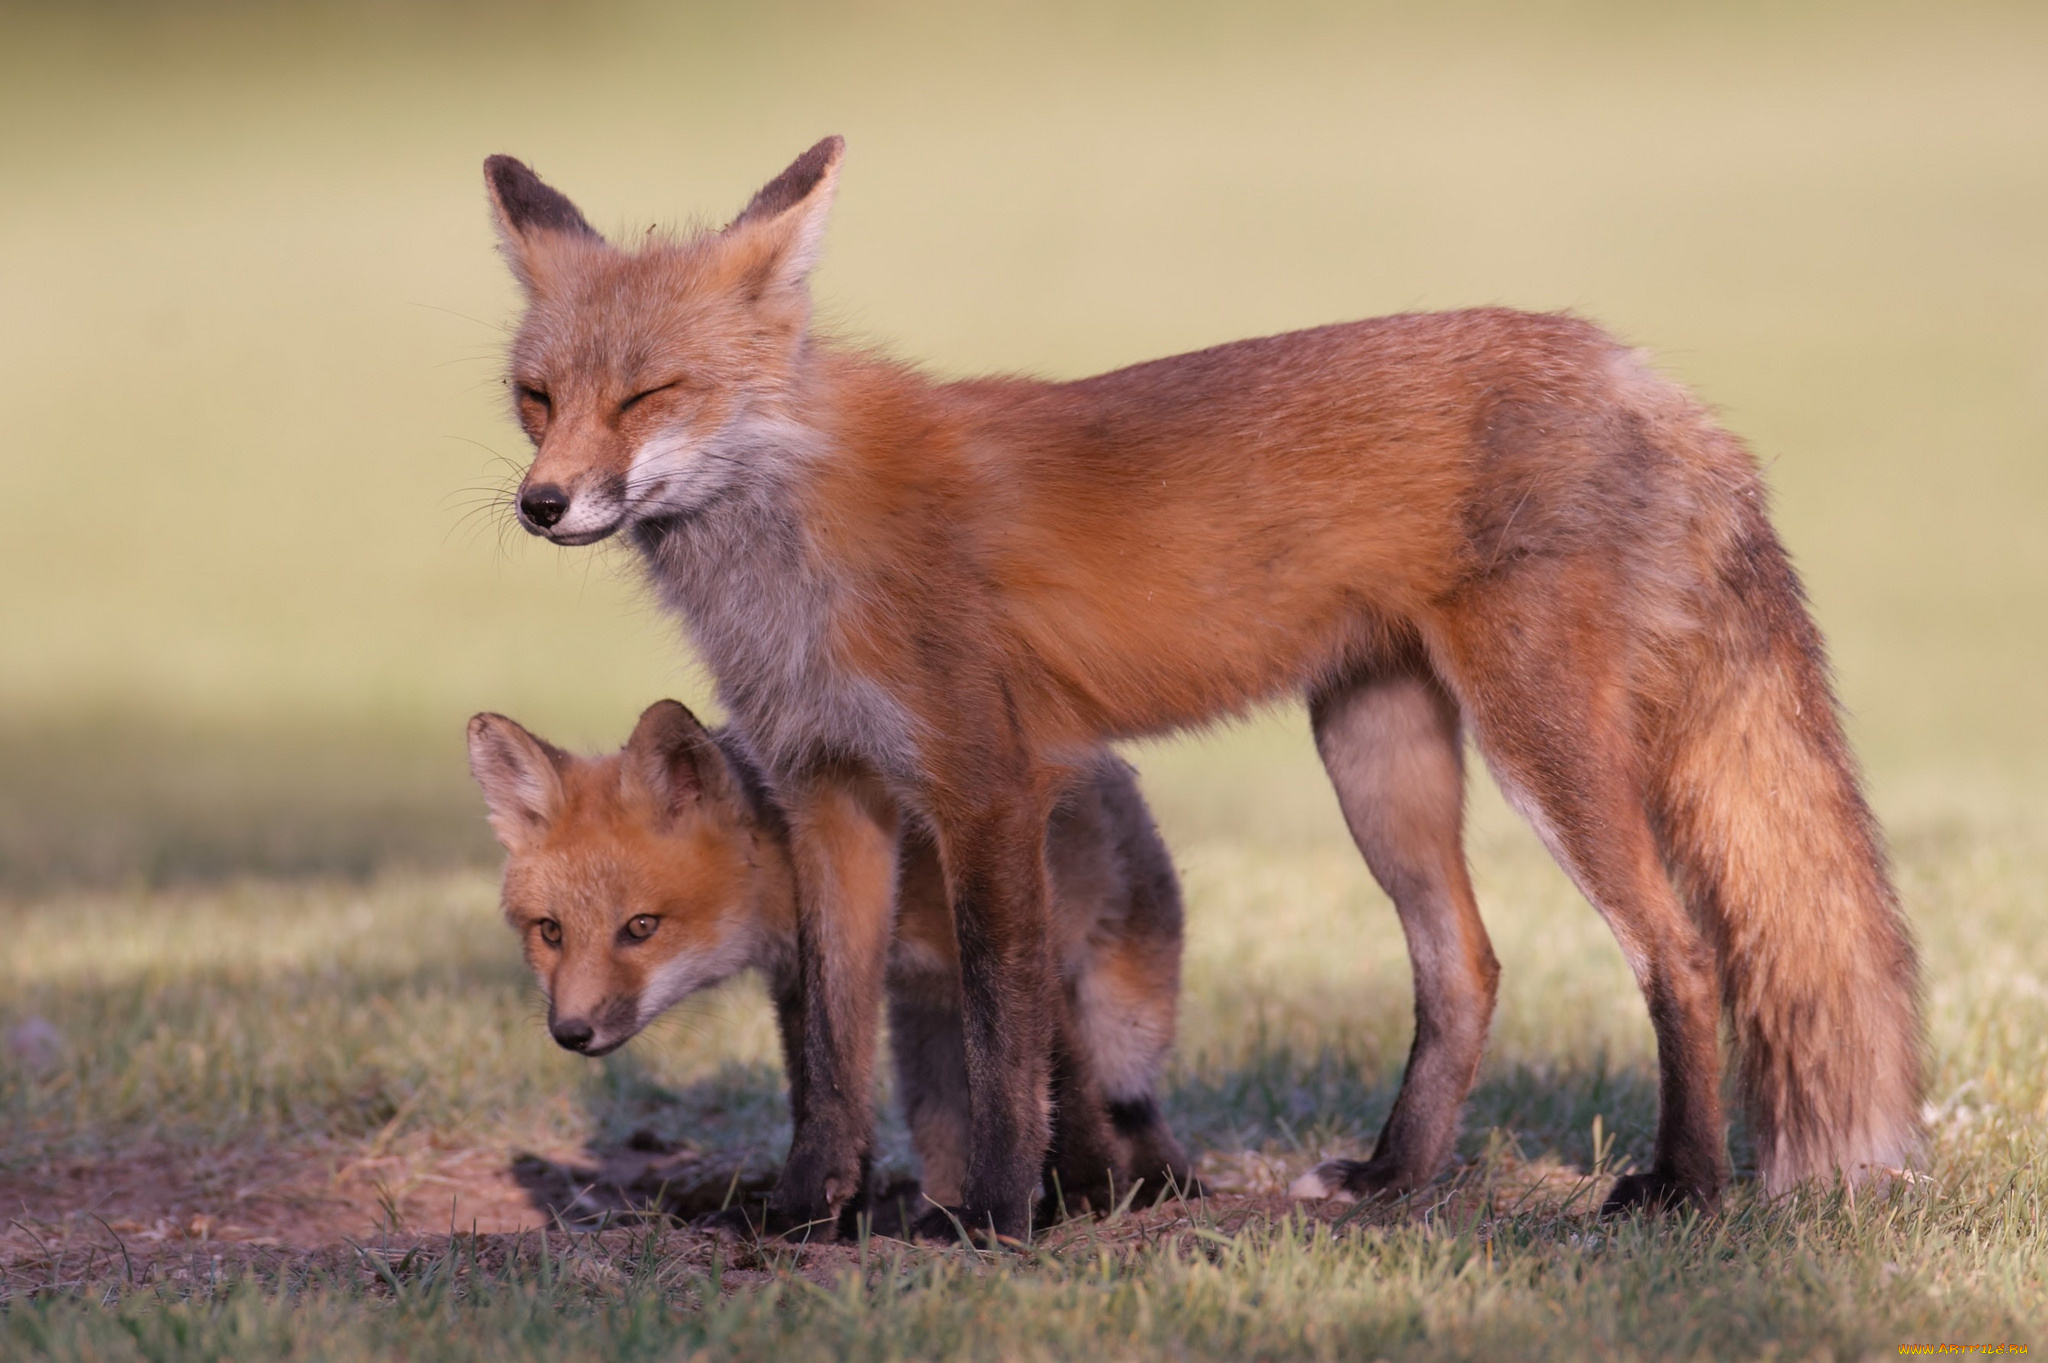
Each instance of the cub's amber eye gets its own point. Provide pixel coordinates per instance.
(642, 927)
(550, 932)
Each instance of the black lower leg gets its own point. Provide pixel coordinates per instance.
(1006, 993)
(1083, 1171)
(1150, 1151)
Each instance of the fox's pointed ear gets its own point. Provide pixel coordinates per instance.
(673, 758)
(779, 233)
(521, 778)
(531, 217)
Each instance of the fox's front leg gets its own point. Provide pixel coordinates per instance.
(995, 873)
(843, 842)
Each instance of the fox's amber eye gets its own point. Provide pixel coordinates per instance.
(534, 396)
(550, 932)
(642, 927)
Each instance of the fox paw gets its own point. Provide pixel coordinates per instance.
(1656, 1194)
(748, 1224)
(1059, 1202)
(956, 1225)
(1169, 1184)
(732, 1225)
(1349, 1180)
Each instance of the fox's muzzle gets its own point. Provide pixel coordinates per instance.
(572, 1034)
(571, 515)
(600, 1031)
(542, 506)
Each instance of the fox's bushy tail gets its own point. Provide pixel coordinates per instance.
(1764, 823)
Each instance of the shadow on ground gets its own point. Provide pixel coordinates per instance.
(335, 1081)
(1245, 1125)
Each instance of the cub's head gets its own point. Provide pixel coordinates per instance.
(652, 379)
(632, 880)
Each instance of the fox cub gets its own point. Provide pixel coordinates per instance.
(637, 879)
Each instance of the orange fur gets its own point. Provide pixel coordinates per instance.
(639, 878)
(1486, 522)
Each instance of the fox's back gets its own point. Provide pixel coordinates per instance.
(1303, 496)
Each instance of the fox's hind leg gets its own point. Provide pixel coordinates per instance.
(1083, 1171)
(1557, 724)
(1390, 745)
(1083, 1168)
(1120, 1022)
(1114, 873)
(931, 1079)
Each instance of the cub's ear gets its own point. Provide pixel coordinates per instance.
(521, 778)
(777, 236)
(672, 757)
(532, 218)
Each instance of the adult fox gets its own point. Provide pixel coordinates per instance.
(637, 879)
(943, 596)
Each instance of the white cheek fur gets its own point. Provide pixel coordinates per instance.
(662, 469)
(687, 973)
(590, 512)
(675, 472)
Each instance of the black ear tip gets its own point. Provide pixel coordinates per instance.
(672, 712)
(501, 171)
(814, 164)
(795, 184)
(527, 201)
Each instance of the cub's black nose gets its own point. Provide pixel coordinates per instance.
(543, 506)
(572, 1034)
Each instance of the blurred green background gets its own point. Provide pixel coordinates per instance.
(251, 426)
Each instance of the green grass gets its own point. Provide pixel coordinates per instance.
(246, 1023)
(1804, 1283)
(250, 434)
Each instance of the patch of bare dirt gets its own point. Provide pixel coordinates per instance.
(300, 1198)
(178, 1217)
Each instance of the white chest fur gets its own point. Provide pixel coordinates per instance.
(763, 614)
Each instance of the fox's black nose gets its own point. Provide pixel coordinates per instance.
(572, 1034)
(543, 506)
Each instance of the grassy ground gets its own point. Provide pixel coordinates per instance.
(265, 1045)
(270, 1103)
